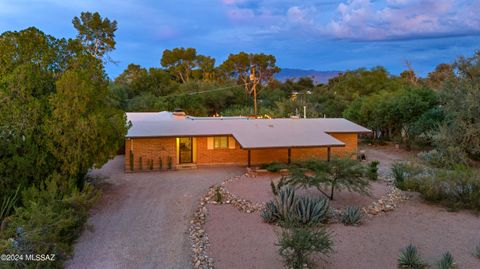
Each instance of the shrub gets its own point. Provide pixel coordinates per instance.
(140, 163)
(170, 162)
(448, 157)
(476, 252)
(52, 218)
(218, 195)
(274, 166)
(298, 244)
(150, 164)
(372, 171)
(410, 258)
(447, 261)
(311, 211)
(352, 215)
(8, 202)
(458, 188)
(270, 213)
(132, 161)
(406, 175)
(160, 163)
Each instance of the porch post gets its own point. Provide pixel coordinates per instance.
(328, 154)
(249, 158)
(289, 155)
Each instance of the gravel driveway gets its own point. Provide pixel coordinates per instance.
(141, 220)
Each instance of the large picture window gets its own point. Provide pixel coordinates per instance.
(220, 142)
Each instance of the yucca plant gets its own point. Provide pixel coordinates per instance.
(447, 261)
(352, 215)
(270, 213)
(311, 210)
(410, 258)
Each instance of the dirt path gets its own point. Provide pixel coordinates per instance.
(142, 219)
(386, 155)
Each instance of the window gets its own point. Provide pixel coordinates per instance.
(220, 142)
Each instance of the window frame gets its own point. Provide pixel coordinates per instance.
(215, 139)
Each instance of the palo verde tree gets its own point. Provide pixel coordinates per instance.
(329, 176)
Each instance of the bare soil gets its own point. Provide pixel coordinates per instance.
(240, 240)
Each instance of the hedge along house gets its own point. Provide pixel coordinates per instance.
(162, 140)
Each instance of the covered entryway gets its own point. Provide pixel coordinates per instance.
(185, 150)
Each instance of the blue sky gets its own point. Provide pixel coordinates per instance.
(321, 35)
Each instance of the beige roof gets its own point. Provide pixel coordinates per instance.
(250, 133)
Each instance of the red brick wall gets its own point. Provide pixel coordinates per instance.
(155, 148)
(219, 156)
(150, 149)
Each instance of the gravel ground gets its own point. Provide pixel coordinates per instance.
(141, 220)
(240, 240)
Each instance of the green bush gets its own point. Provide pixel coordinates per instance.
(274, 166)
(352, 216)
(447, 261)
(458, 188)
(445, 158)
(407, 176)
(372, 171)
(410, 258)
(53, 216)
(298, 244)
(6, 207)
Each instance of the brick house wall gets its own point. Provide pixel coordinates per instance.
(162, 148)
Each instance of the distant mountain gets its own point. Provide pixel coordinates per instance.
(318, 76)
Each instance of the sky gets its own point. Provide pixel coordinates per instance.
(322, 35)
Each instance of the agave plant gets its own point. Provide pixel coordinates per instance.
(311, 210)
(352, 215)
(410, 258)
(286, 203)
(447, 261)
(270, 213)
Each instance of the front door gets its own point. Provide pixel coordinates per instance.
(186, 149)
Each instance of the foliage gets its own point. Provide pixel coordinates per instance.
(160, 163)
(218, 197)
(476, 252)
(296, 245)
(274, 166)
(289, 209)
(447, 261)
(52, 217)
(337, 174)
(373, 170)
(448, 157)
(410, 258)
(97, 35)
(6, 207)
(270, 213)
(352, 215)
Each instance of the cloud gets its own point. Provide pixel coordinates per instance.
(403, 19)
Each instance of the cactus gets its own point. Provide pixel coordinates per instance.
(170, 161)
(132, 160)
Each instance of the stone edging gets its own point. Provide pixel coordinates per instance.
(386, 203)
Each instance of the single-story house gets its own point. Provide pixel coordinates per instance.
(161, 140)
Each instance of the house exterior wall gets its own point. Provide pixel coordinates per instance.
(162, 148)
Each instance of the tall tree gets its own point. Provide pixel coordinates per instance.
(97, 35)
(180, 62)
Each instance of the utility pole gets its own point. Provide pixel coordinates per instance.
(253, 79)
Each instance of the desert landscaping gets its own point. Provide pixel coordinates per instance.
(235, 236)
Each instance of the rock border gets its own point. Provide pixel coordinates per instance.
(198, 236)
